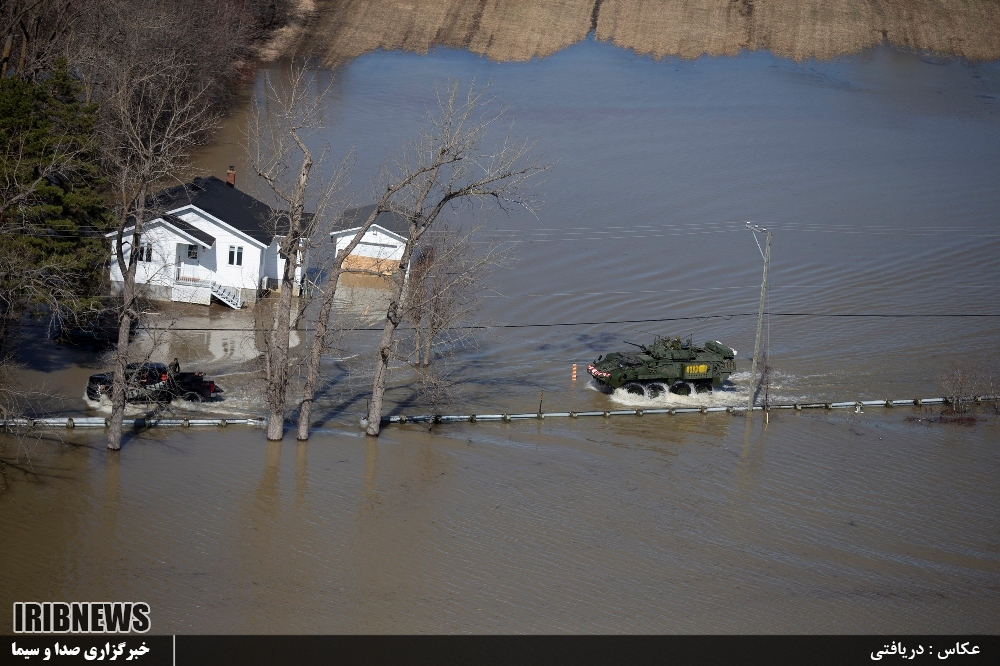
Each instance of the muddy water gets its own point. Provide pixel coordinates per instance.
(876, 173)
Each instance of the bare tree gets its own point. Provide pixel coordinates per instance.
(443, 296)
(320, 341)
(445, 287)
(288, 114)
(32, 33)
(447, 166)
(155, 108)
(963, 381)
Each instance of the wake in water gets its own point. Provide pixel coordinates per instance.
(733, 393)
(235, 406)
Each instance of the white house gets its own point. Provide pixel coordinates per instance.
(381, 248)
(212, 241)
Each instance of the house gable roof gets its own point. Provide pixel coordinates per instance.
(185, 230)
(228, 204)
(189, 229)
(194, 210)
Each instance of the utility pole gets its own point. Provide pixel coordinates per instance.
(760, 310)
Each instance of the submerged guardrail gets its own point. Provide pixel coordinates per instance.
(401, 419)
(856, 404)
(140, 423)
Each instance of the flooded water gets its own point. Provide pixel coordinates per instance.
(878, 176)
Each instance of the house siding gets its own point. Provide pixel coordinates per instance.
(216, 258)
(172, 275)
(376, 244)
(378, 251)
(162, 269)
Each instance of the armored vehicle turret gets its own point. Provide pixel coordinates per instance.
(666, 365)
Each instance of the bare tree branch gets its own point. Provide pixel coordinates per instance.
(288, 114)
(448, 166)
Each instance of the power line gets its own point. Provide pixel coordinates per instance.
(770, 287)
(633, 321)
(954, 315)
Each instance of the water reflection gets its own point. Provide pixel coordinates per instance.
(301, 475)
(370, 495)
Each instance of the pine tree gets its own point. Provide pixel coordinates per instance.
(51, 212)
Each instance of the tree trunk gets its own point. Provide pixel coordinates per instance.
(416, 342)
(118, 386)
(280, 330)
(277, 388)
(322, 323)
(5, 55)
(381, 368)
(428, 338)
(392, 319)
(119, 383)
(24, 52)
(316, 353)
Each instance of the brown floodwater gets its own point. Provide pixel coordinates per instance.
(877, 174)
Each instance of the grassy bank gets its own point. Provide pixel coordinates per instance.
(339, 30)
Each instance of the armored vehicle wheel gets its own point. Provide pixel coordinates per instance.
(635, 389)
(655, 390)
(680, 388)
(703, 387)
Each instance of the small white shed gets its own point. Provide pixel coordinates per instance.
(381, 248)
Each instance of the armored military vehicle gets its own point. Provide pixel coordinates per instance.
(666, 365)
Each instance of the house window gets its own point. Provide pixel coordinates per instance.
(235, 255)
(145, 252)
(192, 251)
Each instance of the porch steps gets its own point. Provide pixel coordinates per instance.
(228, 295)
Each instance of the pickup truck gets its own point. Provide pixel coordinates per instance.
(151, 382)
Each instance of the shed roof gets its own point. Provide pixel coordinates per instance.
(392, 221)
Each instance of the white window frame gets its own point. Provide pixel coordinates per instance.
(236, 253)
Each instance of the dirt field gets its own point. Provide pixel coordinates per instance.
(338, 30)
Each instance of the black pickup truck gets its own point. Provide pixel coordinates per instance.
(151, 382)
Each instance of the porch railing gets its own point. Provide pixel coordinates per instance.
(192, 274)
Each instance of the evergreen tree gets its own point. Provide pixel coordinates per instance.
(52, 215)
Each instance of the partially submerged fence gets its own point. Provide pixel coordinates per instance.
(143, 423)
(139, 424)
(857, 405)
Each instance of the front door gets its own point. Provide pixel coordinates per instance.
(188, 262)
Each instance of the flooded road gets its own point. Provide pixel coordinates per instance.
(823, 523)
(877, 174)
